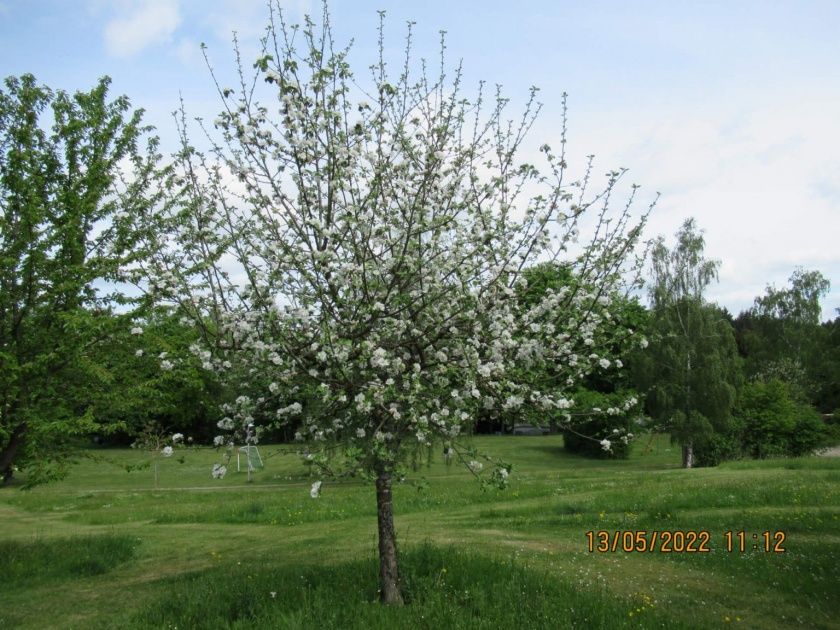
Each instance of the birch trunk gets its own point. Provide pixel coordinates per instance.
(688, 455)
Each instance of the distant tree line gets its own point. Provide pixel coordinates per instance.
(724, 387)
(766, 383)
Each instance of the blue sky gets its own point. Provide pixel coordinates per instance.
(730, 109)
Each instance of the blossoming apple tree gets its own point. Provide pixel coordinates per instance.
(353, 254)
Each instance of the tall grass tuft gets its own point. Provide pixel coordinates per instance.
(31, 562)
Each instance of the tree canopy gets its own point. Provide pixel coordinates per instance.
(358, 248)
(781, 338)
(691, 369)
(66, 236)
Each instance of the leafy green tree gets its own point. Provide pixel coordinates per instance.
(798, 304)
(781, 337)
(151, 373)
(772, 422)
(691, 369)
(66, 236)
(827, 369)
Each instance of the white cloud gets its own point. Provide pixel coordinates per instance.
(759, 172)
(143, 23)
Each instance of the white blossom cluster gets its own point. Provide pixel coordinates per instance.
(364, 260)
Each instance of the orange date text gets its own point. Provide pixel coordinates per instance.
(648, 541)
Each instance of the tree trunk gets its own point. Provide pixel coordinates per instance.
(7, 455)
(688, 455)
(388, 573)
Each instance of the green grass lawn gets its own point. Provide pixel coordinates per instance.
(106, 549)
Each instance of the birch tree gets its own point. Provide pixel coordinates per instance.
(692, 365)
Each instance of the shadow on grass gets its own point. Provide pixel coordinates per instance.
(24, 564)
(443, 588)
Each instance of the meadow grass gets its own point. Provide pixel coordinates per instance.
(197, 552)
(444, 588)
(23, 564)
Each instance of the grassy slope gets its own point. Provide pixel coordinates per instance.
(193, 528)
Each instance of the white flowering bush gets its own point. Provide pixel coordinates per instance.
(356, 248)
(601, 397)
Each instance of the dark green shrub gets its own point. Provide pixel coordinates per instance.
(773, 423)
(584, 437)
(718, 448)
(809, 432)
